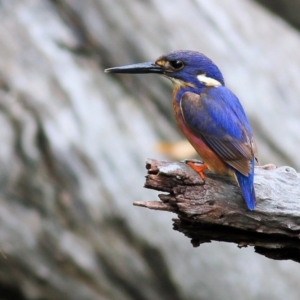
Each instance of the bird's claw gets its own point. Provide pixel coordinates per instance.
(197, 165)
(267, 167)
(192, 160)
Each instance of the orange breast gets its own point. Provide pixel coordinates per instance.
(210, 158)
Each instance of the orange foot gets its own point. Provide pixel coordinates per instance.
(199, 168)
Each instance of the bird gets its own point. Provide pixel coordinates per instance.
(209, 115)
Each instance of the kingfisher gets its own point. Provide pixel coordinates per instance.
(209, 115)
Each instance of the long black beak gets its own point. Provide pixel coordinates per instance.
(142, 68)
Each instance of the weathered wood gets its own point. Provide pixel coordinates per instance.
(73, 142)
(215, 210)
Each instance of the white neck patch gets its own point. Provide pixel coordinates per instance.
(208, 81)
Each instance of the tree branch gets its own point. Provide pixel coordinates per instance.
(215, 210)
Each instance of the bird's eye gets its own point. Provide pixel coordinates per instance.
(176, 64)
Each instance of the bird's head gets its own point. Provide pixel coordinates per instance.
(183, 68)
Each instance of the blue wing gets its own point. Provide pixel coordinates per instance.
(217, 116)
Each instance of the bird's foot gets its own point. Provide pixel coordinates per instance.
(197, 165)
(267, 167)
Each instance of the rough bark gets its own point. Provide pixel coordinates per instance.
(215, 211)
(73, 142)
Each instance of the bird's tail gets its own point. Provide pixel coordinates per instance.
(246, 184)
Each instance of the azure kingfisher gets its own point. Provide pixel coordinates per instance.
(208, 114)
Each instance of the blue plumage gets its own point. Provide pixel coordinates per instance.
(218, 117)
(222, 110)
(208, 114)
(246, 184)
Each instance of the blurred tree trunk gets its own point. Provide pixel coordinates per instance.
(286, 9)
(74, 141)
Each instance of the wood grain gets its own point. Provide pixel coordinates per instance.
(215, 211)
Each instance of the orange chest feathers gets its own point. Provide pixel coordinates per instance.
(210, 158)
